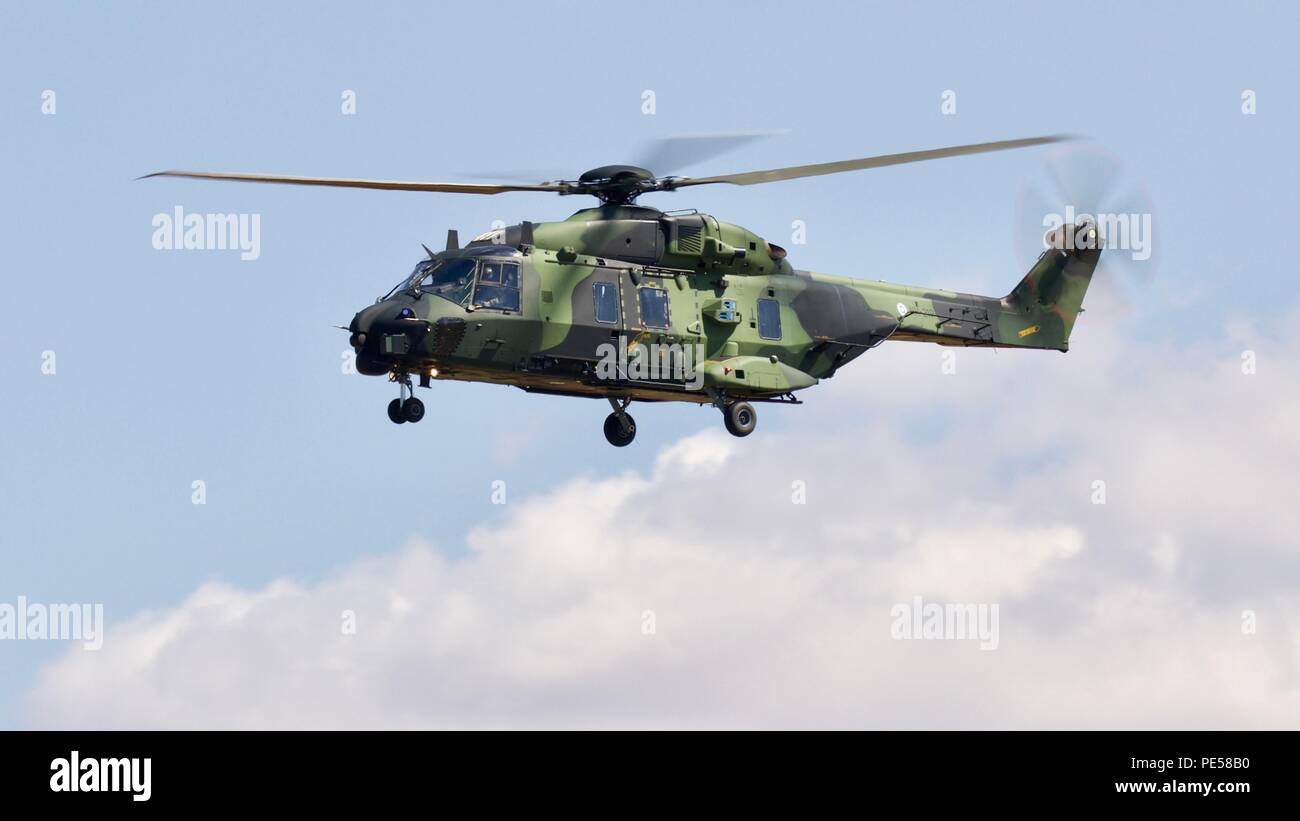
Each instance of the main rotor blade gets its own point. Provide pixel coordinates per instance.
(795, 172)
(383, 185)
(668, 155)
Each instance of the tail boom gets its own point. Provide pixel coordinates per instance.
(1040, 311)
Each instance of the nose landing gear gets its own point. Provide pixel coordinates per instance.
(405, 408)
(411, 410)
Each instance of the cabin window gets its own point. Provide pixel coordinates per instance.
(654, 307)
(769, 319)
(498, 286)
(605, 298)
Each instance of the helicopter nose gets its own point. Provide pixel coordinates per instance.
(376, 330)
(358, 338)
(372, 323)
(363, 323)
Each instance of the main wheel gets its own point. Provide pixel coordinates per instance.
(614, 430)
(740, 418)
(413, 410)
(395, 412)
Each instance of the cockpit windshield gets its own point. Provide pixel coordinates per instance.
(454, 280)
(450, 279)
(411, 279)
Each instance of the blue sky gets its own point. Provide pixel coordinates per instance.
(177, 366)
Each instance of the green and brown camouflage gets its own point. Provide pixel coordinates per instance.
(628, 303)
(718, 281)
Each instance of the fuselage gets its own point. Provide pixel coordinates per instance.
(631, 302)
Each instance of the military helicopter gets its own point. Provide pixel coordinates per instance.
(629, 303)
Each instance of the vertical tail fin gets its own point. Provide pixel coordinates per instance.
(1050, 297)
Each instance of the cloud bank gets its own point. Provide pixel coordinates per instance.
(700, 594)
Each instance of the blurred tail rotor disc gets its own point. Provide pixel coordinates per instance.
(1085, 182)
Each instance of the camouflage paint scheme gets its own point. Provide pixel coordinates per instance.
(552, 344)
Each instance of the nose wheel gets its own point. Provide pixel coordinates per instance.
(620, 427)
(395, 412)
(405, 408)
(412, 410)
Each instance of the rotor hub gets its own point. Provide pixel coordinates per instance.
(616, 184)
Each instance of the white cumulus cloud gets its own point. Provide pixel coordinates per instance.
(701, 594)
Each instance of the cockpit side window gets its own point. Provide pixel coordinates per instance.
(498, 286)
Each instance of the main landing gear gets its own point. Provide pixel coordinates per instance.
(405, 408)
(740, 418)
(620, 427)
